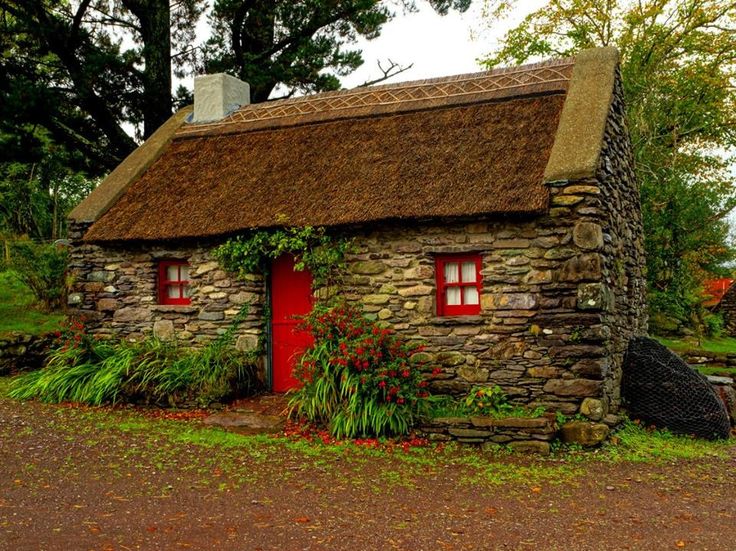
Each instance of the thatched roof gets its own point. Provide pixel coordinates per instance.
(456, 147)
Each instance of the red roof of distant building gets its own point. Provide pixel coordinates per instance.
(715, 289)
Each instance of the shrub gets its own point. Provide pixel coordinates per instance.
(43, 268)
(714, 325)
(357, 378)
(84, 369)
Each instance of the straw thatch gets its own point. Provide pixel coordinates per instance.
(456, 161)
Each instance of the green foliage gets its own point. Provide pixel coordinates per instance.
(488, 401)
(43, 268)
(357, 378)
(91, 371)
(313, 248)
(714, 325)
(678, 65)
(16, 309)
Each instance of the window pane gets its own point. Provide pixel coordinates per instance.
(184, 272)
(186, 291)
(172, 291)
(452, 295)
(470, 295)
(451, 273)
(468, 272)
(172, 273)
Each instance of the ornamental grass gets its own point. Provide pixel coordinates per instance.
(94, 371)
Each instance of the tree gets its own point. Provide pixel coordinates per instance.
(77, 75)
(679, 70)
(298, 45)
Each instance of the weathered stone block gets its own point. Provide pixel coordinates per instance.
(416, 290)
(594, 296)
(530, 446)
(131, 314)
(566, 200)
(74, 299)
(376, 299)
(211, 316)
(385, 314)
(368, 267)
(246, 342)
(206, 267)
(242, 297)
(163, 329)
(584, 433)
(107, 305)
(469, 433)
(573, 387)
(473, 374)
(588, 235)
(514, 301)
(593, 409)
(450, 359)
(584, 267)
(102, 276)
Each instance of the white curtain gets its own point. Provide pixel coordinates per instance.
(452, 274)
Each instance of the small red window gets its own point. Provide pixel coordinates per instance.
(173, 282)
(458, 285)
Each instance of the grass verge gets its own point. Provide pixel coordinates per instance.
(17, 312)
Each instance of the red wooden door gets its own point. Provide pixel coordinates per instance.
(291, 297)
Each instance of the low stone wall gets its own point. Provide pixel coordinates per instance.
(519, 433)
(723, 383)
(22, 352)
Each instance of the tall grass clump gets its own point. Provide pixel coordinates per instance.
(357, 378)
(91, 371)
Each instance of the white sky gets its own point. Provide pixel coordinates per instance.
(436, 45)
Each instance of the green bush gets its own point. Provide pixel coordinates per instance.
(357, 378)
(714, 325)
(43, 268)
(84, 369)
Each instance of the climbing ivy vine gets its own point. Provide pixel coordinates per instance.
(313, 249)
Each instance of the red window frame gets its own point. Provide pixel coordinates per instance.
(444, 309)
(164, 283)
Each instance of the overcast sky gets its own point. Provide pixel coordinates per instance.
(436, 45)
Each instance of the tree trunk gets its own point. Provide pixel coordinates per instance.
(154, 17)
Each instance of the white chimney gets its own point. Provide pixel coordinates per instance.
(218, 95)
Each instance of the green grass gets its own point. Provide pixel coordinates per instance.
(637, 444)
(17, 312)
(720, 345)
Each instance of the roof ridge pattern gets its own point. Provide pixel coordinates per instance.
(503, 82)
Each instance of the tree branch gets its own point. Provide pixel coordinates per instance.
(392, 70)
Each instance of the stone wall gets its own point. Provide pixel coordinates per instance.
(519, 433)
(727, 308)
(21, 352)
(115, 288)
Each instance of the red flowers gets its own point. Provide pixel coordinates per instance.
(346, 343)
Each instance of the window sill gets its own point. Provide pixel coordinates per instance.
(458, 320)
(178, 308)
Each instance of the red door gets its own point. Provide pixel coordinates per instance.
(291, 297)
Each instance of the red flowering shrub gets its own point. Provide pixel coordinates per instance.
(357, 377)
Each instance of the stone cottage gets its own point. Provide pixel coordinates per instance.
(495, 216)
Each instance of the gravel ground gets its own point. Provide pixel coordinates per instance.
(80, 478)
